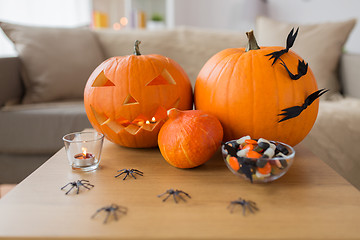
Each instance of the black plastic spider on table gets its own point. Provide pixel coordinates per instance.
(79, 183)
(113, 208)
(174, 193)
(250, 205)
(128, 172)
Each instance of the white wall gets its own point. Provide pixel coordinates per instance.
(219, 14)
(314, 11)
(240, 15)
(114, 8)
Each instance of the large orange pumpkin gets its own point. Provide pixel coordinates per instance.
(127, 97)
(249, 93)
(189, 138)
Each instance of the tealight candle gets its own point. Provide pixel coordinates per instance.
(152, 121)
(84, 159)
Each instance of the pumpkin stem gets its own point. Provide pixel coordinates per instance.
(173, 113)
(252, 44)
(136, 48)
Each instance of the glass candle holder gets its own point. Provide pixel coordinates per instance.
(83, 150)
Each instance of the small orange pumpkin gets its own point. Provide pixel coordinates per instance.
(189, 138)
(250, 94)
(126, 98)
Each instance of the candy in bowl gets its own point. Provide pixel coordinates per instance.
(257, 160)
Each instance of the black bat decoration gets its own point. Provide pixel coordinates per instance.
(289, 43)
(302, 69)
(295, 111)
(246, 169)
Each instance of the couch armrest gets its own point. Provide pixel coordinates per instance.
(350, 74)
(336, 135)
(11, 87)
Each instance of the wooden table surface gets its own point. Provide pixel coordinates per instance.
(310, 202)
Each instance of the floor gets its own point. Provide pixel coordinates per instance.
(5, 188)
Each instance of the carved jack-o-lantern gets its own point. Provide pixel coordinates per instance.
(126, 98)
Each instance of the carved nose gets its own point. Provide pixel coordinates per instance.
(130, 100)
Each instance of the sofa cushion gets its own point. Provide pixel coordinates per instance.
(196, 46)
(190, 47)
(56, 61)
(39, 128)
(321, 45)
(11, 87)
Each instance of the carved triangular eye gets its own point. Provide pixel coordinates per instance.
(163, 79)
(159, 80)
(102, 81)
(130, 100)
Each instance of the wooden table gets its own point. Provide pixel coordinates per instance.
(310, 202)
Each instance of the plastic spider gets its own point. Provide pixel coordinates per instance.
(129, 172)
(85, 183)
(174, 193)
(112, 209)
(250, 205)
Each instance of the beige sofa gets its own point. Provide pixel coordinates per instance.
(36, 114)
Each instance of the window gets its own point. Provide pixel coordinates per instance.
(48, 13)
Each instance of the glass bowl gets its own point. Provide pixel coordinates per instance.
(262, 169)
(83, 150)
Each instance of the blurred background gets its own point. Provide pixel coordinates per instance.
(120, 15)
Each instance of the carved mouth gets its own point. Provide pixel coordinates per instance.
(135, 125)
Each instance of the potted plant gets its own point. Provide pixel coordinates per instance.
(156, 22)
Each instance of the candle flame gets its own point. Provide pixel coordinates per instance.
(140, 123)
(83, 149)
(147, 122)
(153, 119)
